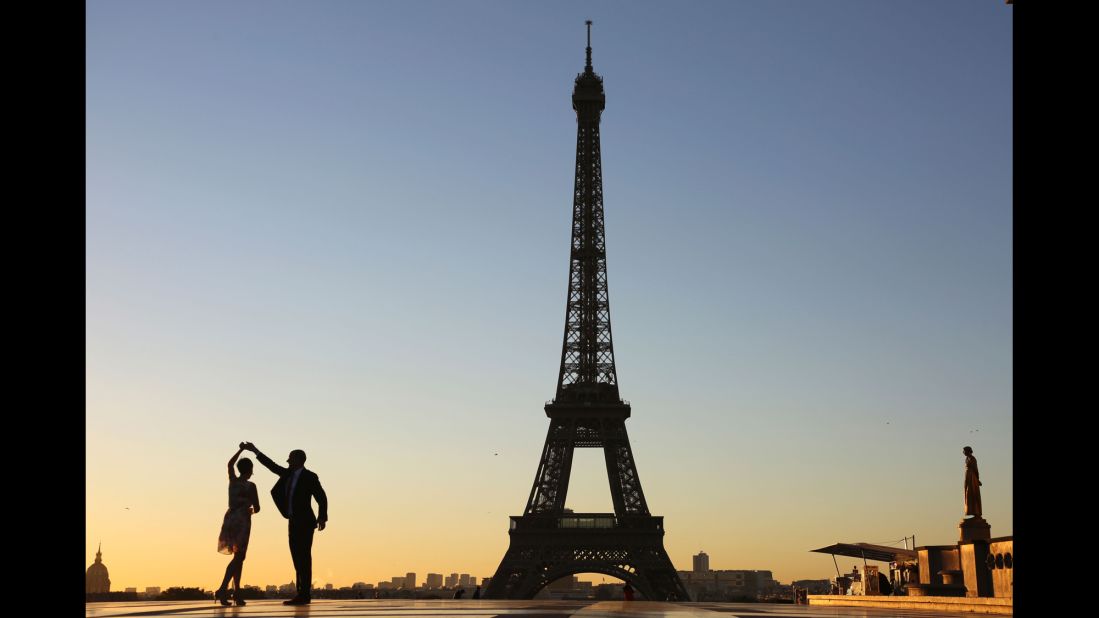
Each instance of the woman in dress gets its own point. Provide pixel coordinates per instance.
(237, 525)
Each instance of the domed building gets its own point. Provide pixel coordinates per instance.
(96, 579)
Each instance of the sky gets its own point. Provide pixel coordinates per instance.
(344, 227)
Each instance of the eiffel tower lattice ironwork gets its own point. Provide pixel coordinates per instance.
(548, 542)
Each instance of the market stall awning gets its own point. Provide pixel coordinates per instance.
(869, 551)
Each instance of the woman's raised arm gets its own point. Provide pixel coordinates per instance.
(232, 462)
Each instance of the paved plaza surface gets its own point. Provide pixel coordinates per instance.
(400, 608)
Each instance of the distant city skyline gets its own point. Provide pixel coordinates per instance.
(345, 228)
(453, 581)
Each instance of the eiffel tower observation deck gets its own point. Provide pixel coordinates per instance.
(547, 542)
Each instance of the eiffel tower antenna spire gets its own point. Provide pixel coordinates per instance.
(587, 67)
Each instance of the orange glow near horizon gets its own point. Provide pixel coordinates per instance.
(157, 509)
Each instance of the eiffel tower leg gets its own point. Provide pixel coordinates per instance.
(626, 493)
(658, 572)
(515, 573)
(551, 482)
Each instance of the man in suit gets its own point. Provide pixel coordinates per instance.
(292, 494)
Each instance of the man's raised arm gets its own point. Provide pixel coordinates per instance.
(265, 460)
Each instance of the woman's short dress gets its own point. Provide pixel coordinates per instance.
(237, 525)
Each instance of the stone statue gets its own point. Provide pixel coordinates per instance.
(972, 484)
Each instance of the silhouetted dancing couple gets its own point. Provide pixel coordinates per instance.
(292, 495)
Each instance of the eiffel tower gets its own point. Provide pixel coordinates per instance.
(547, 542)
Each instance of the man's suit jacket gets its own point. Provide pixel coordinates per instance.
(309, 486)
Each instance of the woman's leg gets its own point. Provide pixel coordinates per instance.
(230, 569)
(238, 561)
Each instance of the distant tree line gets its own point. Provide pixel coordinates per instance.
(179, 593)
(175, 593)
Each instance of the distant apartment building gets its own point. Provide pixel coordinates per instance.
(608, 592)
(252, 592)
(769, 588)
(452, 580)
(434, 580)
(361, 586)
(777, 592)
(814, 586)
(397, 581)
(700, 563)
(410, 581)
(568, 587)
(385, 586)
(133, 590)
(563, 584)
(463, 580)
(726, 585)
(271, 589)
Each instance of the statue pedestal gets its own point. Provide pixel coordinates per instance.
(974, 529)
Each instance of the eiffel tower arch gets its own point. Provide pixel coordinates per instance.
(547, 542)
